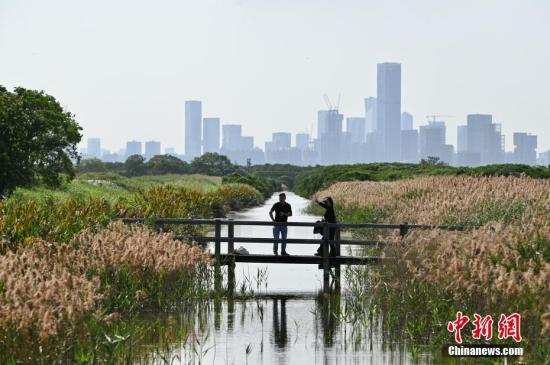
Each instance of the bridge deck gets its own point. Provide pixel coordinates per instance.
(298, 259)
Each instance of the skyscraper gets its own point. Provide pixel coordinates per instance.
(406, 121)
(152, 148)
(302, 141)
(133, 148)
(211, 135)
(432, 141)
(388, 110)
(525, 146)
(355, 126)
(484, 139)
(193, 119)
(409, 146)
(94, 148)
(231, 135)
(370, 114)
(329, 128)
(280, 140)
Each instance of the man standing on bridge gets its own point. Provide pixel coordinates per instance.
(282, 210)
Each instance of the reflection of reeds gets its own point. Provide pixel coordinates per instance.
(504, 263)
(47, 287)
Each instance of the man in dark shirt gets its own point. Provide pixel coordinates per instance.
(282, 210)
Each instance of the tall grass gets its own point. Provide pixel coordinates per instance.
(500, 264)
(49, 289)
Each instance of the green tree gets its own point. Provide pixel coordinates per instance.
(212, 164)
(135, 165)
(91, 165)
(37, 141)
(166, 164)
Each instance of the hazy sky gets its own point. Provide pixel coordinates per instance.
(125, 68)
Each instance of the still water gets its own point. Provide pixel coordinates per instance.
(289, 321)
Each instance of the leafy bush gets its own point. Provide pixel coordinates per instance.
(262, 184)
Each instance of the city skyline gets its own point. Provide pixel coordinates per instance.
(383, 134)
(126, 72)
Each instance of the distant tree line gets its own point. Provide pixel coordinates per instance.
(212, 164)
(312, 180)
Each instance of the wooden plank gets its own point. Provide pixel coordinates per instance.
(288, 240)
(301, 259)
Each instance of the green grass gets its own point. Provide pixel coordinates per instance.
(114, 187)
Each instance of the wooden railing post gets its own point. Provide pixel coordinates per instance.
(326, 263)
(217, 255)
(337, 253)
(230, 251)
(230, 234)
(403, 229)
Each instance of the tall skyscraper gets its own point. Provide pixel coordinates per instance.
(409, 146)
(133, 148)
(388, 110)
(193, 119)
(94, 148)
(432, 141)
(355, 126)
(231, 135)
(211, 135)
(152, 148)
(329, 128)
(280, 140)
(406, 121)
(484, 139)
(302, 141)
(525, 148)
(370, 114)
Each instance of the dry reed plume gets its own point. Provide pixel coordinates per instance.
(507, 257)
(47, 287)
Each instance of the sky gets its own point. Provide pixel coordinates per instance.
(125, 68)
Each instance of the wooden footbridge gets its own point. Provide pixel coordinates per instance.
(326, 262)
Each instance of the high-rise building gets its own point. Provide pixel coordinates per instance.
(388, 112)
(280, 140)
(406, 121)
(152, 148)
(432, 142)
(170, 151)
(329, 139)
(409, 146)
(133, 148)
(211, 135)
(193, 135)
(247, 143)
(370, 114)
(231, 136)
(302, 141)
(462, 139)
(525, 148)
(355, 126)
(484, 141)
(94, 148)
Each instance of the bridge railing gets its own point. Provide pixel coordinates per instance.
(326, 262)
(403, 228)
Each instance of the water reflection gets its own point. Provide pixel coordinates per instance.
(280, 337)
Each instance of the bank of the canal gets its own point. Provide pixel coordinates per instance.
(289, 321)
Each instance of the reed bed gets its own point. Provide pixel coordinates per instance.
(500, 263)
(24, 220)
(48, 289)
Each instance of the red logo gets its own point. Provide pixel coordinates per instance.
(508, 326)
(456, 326)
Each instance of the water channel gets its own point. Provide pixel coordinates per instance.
(289, 321)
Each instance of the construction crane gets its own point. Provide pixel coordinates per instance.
(329, 104)
(435, 116)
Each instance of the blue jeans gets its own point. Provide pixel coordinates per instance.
(282, 231)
